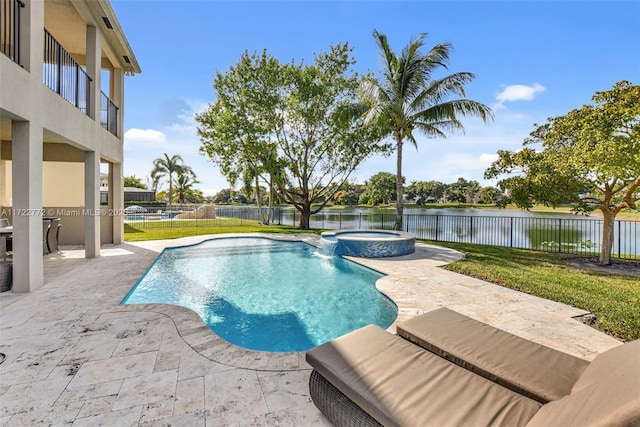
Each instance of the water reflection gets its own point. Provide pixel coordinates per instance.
(551, 231)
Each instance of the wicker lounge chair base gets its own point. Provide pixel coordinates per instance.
(338, 408)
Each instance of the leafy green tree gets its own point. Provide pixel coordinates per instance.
(194, 195)
(133, 181)
(222, 196)
(161, 196)
(425, 191)
(254, 191)
(239, 197)
(292, 123)
(381, 188)
(165, 167)
(184, 185)
(347, 194)
(472, 191)
(457, 191)
(590, 156)
(409, 98)
(341, 197)
(463, 191)
(490, 195)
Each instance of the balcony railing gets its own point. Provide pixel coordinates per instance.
(108, 114)
(64, 75)
(10, 31)
(61, 73)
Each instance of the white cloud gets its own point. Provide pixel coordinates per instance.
(520, 92)
(183, 122)
(139, 137)
(517, 93)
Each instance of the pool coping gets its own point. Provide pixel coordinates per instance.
(345, 234)
(353, 243)
(208, 344)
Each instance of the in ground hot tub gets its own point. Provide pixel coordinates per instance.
(368, 243)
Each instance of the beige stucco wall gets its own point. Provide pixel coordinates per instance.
(5, 183)
(72, 222)
(62, 184)
(63, 196)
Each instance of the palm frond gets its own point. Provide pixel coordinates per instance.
(438, 129)
(407, 98)
(387, 55)
(409, 137)
(441, 89)
(449, 110)
(438, 56)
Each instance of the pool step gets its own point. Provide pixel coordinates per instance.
(206, 252)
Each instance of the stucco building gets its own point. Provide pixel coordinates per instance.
(62, 72)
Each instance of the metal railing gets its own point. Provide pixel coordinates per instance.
(10, 30)
(64, 75)
(108, 114)
(580, 236)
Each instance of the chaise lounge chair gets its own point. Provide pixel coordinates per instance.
(446, 369)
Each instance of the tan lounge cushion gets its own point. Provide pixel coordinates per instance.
(607, 394)
(526, 367)
(401, 384)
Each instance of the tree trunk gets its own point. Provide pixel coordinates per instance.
(399, 189)
(305, 218)
(259, 201)
(607, 238)
(270, 217)
(170, 190)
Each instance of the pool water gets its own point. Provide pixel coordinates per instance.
(152, 216)
(267, 295)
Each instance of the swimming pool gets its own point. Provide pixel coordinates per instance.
(265, 294)
(151, 216)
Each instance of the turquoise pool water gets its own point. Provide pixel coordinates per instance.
(264, 294)
(151, 216)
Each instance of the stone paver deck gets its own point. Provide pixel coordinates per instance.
(75, 356)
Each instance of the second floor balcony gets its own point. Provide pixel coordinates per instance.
(62, 73)
(67, 78)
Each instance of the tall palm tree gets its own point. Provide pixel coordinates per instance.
(184, 185)
(407, 98)
(166, 166)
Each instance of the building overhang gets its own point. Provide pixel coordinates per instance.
(102, 15)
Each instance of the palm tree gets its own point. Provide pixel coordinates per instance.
(165, 167)
(408, 98)
(184, 185)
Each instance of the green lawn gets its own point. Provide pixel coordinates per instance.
(613, 299)
(133, 234)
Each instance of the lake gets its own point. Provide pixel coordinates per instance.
(549, 231)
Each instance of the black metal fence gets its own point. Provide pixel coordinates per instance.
(10, 29)
(64, 75)
(108, 114)
(550, 234)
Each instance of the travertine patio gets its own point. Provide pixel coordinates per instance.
(76, 356)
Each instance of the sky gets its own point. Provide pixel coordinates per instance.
(532, 60)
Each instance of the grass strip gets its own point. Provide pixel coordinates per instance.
(613, 298)
(133, 233)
